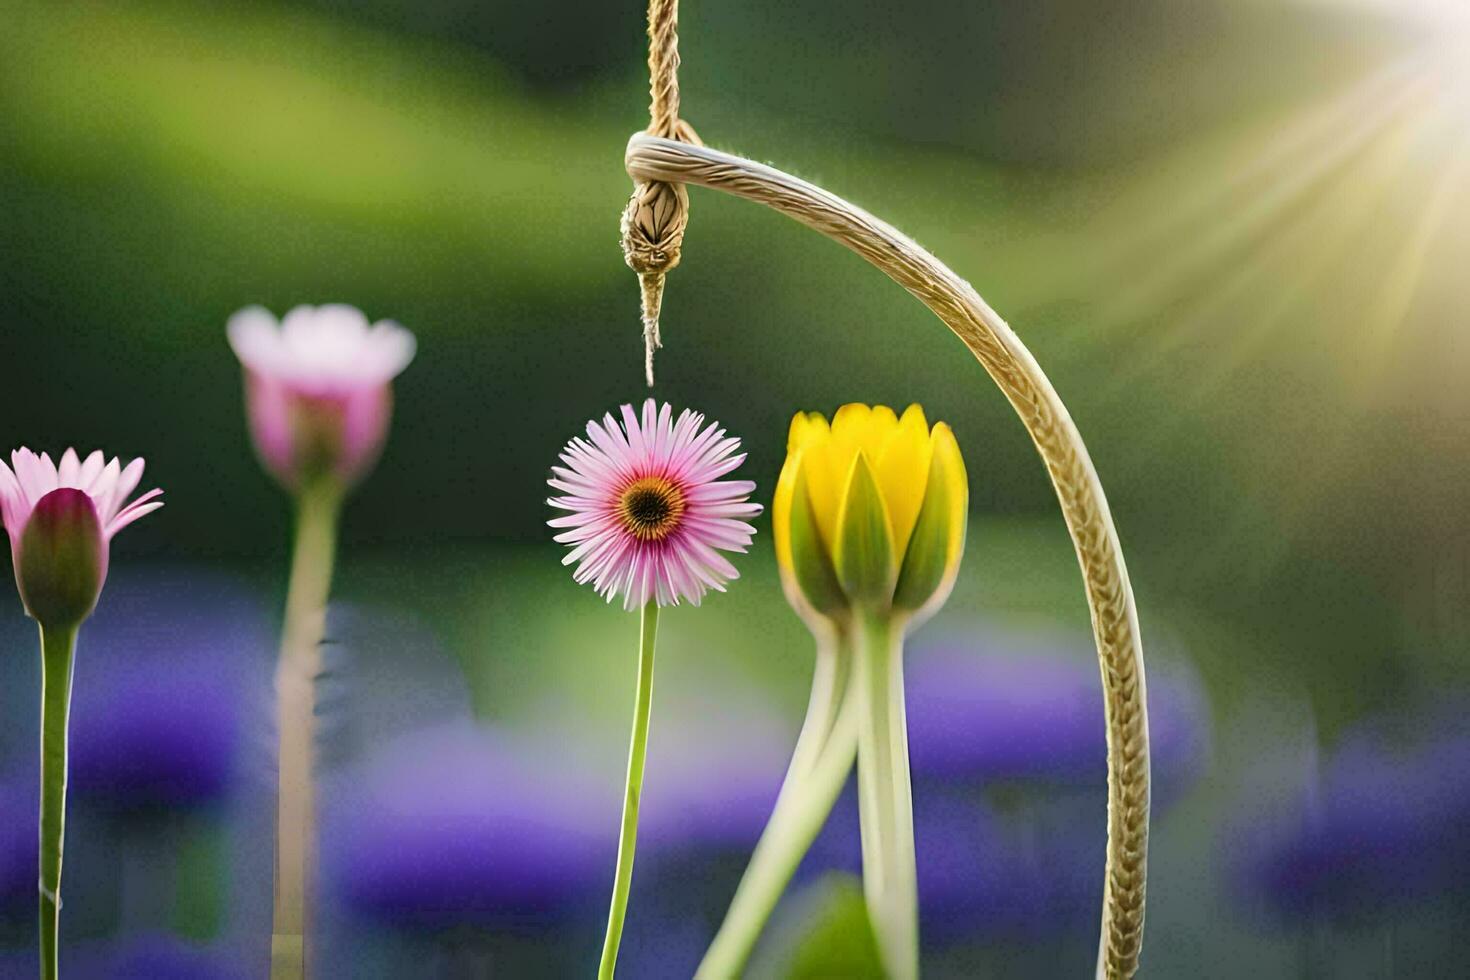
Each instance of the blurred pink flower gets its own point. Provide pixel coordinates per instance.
(60, 519)
(649, 513)
(318, 388)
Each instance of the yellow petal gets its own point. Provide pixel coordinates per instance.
(825, 469)
(874, 435)
(947, 450)
(796, 432)
(881, 425)
(781, 506)
(849, 429)
(850, 417)
(914, 416)
(903, 473)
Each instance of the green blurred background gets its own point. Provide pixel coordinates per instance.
(1232, 231)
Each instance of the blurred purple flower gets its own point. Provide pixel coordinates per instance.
(153, 956)
(715, 766)
(168, 739)
(1382, 825)
(988, 875)
(19, 869)
(970, 879)
(159, 718)
(463, 826)
(986, 705)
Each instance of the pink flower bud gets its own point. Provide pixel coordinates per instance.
(61, 559)
(318, 389)
(60, 520)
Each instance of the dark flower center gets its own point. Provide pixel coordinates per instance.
(651, 507)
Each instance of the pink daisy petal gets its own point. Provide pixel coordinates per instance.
(127, 481)
(130, 515)
(103, 489)
(133, 511)
(320, 350)
(91, 469)
(31, 477)
(69, 470)
(28, 472)
(48, 472)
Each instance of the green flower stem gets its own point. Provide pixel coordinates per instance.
(58, 649)
(885, 798)
(637, 753)
(318, 507)
(830, 679)
(819, 766)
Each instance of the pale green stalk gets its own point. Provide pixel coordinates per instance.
(58, 649)
(885, 797)
(819, 766)
(830, 678)
(318, 507)
(637, 754)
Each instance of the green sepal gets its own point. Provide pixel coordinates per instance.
(811, 564)
(61, 562)
(863, 555)
(929, 561)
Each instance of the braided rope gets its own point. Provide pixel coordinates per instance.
(1085, 508)
(655, 217)
(663, 67)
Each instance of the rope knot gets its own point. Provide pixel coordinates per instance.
(653, 237)
(653, 227)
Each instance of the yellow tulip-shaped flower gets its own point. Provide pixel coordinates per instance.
(870, 513)
(869, 519)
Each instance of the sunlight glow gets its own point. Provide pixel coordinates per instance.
(1434, 13)
(1445, 25)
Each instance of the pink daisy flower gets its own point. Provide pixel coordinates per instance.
(319, 387)
(60, 519)
(649, 512)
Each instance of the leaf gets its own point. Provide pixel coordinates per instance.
(825, 935)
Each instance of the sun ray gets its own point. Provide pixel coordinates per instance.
(1250, 185)
(1402, 280)
(1201, 251)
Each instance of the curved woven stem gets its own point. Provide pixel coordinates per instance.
(1011, 366)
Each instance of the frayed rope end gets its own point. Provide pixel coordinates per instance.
(651, 285)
